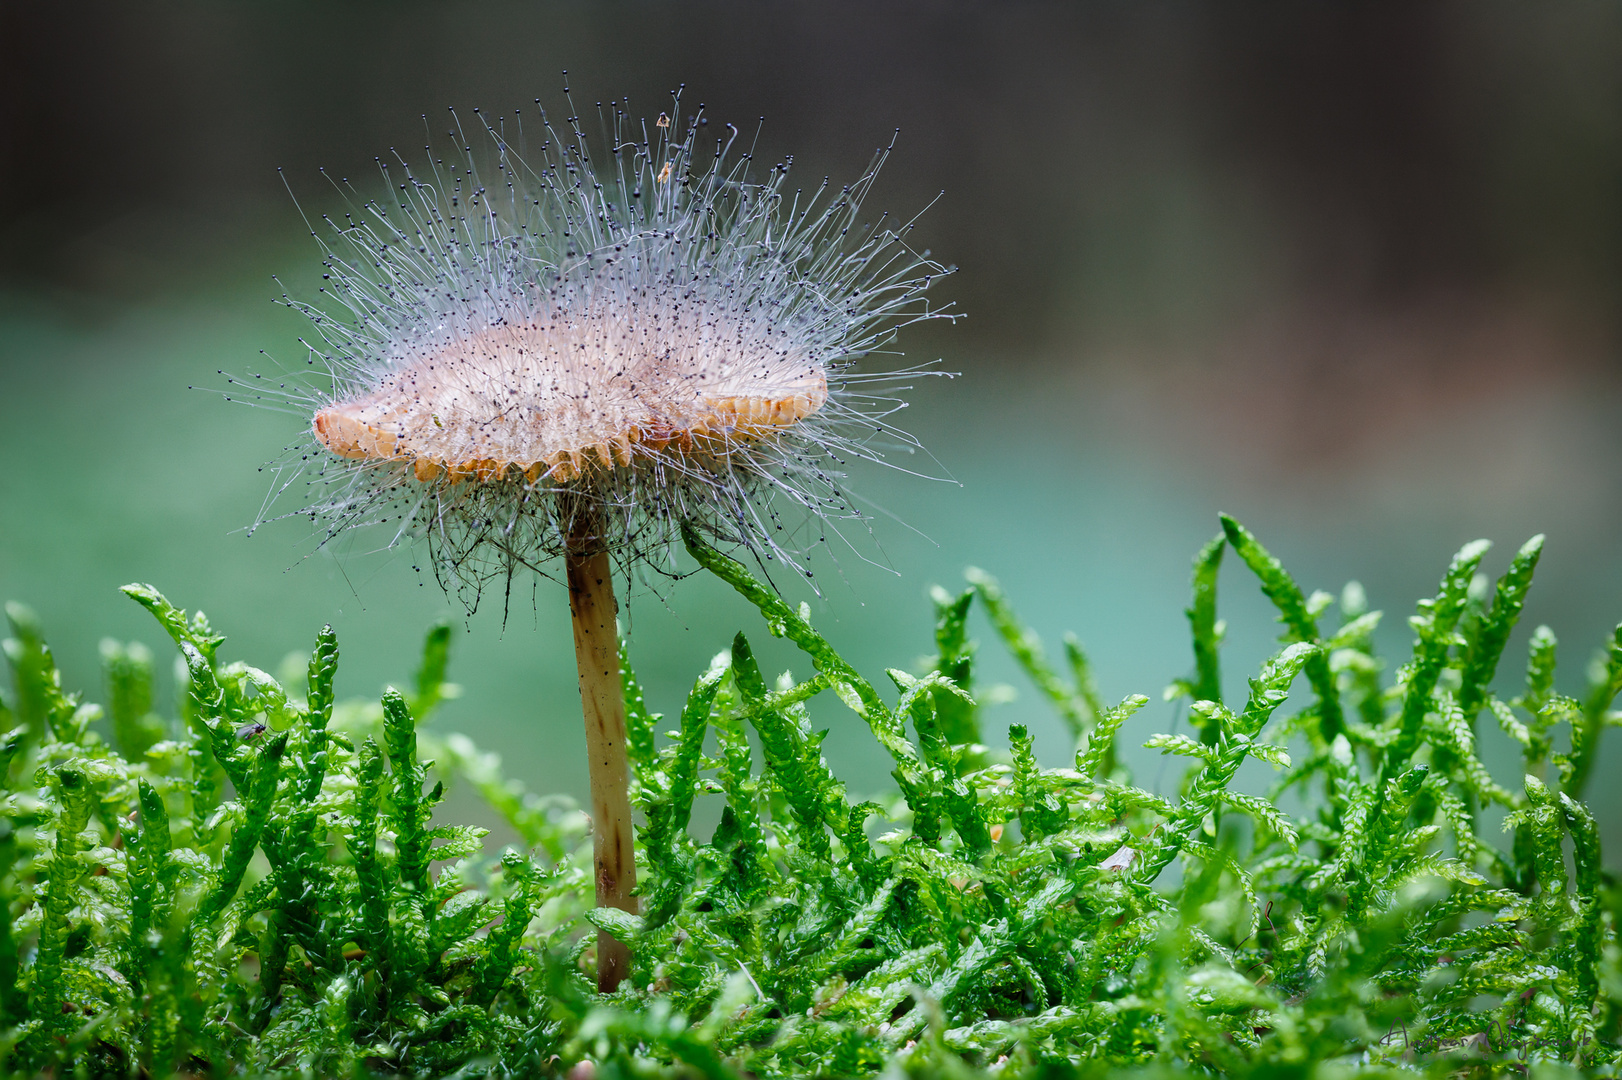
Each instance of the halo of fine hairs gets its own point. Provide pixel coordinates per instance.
(656, 254)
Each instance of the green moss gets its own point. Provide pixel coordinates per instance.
(256, 887)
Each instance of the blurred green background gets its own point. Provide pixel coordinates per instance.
(1350, 272)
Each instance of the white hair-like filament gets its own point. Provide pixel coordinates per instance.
(640, 332)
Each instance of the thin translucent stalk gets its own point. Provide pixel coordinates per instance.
(596, 649)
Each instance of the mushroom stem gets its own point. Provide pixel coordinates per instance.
(596, 650)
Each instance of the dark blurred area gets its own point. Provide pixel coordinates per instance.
(1351, 271)
(1367, 206)
(1372, 209)
(1114, 172)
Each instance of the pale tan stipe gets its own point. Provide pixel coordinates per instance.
(356, 430)
(597, 654)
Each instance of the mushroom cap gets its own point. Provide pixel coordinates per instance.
(566, 397)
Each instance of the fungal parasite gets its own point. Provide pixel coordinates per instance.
(565, 351)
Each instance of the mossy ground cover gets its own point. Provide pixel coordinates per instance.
(256, 885)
